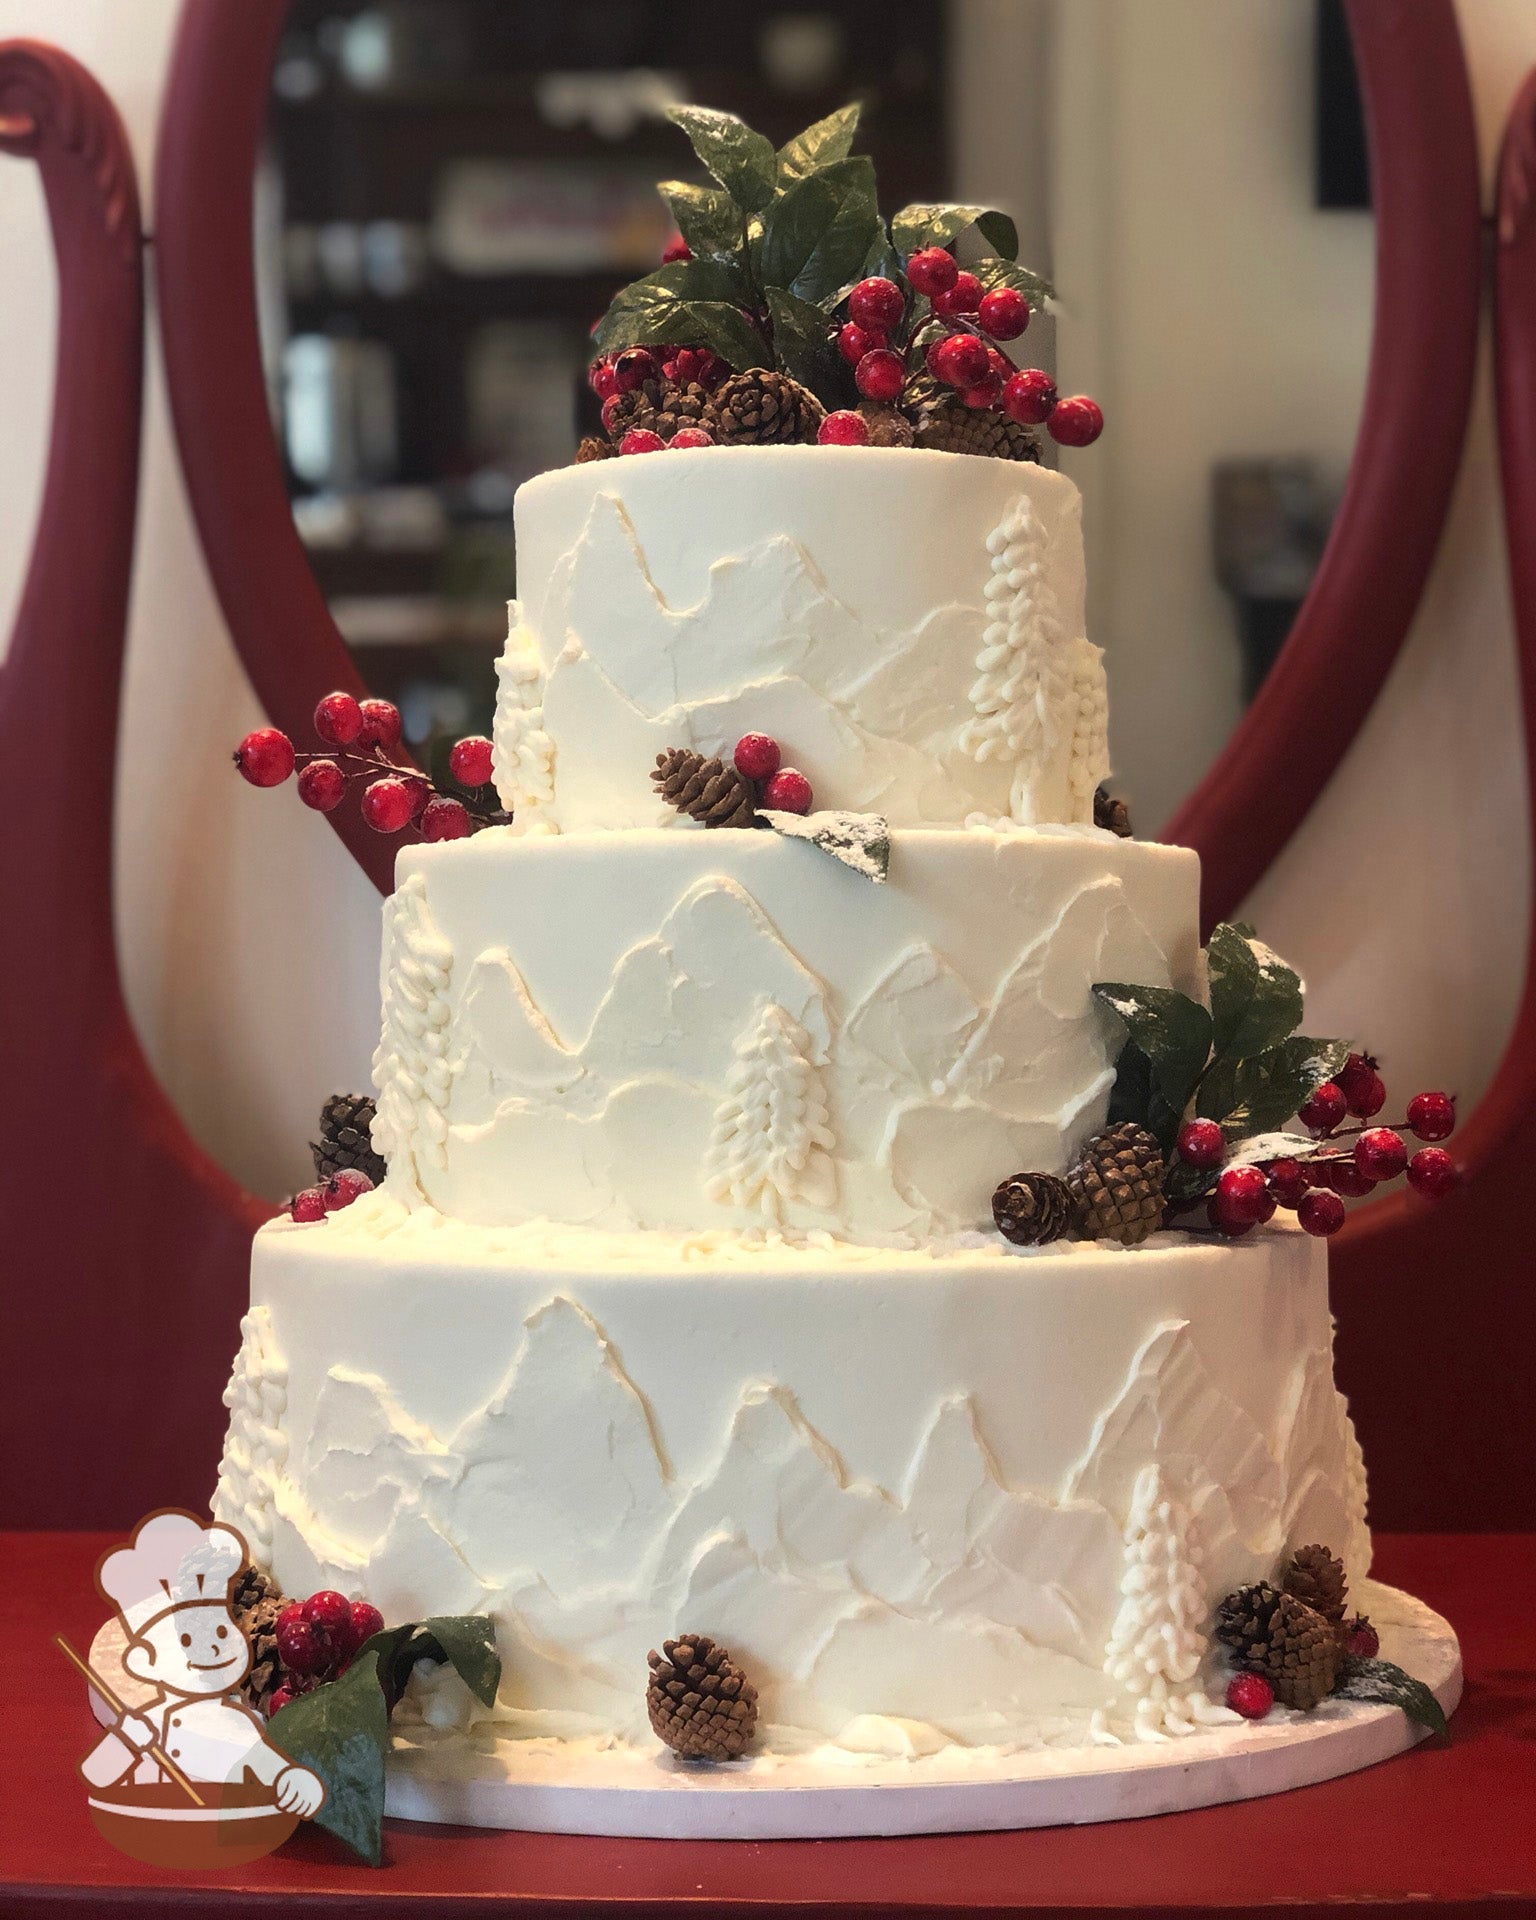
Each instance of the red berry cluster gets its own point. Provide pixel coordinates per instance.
(779, 788)
(1347, 1163)
(317, 1639)
(314, 1203)
(613, 375)
(949, 328)
(360, 735)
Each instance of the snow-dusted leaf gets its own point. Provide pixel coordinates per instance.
(860, 840)
(1270, 1146)
(1381, 1681)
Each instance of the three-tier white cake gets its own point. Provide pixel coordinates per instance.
(682, 1308)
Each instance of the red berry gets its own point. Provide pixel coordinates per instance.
(1362, 1641)
(845, 428)
(1029, 396)
(697, 365)
(1251, 1695)
(854, 342)
(692, 437)
(322, 785)
(677, 248)
(388, 804)
(345, 1187)
(338, 719)
(600, 376)
(278, 1699)
(265, 757)
(961, 360)
(470, 761)
(301, 1646)
(987, 392)
(1321, 1212)
(1433, 1173)
(1075, 421)
(642, 440)
(444, 818)
(1363, 1088)
(1432, 1115)
(876, 303)
(1345, 1177)
(1202, 1143)
(1323, 1112)
(963, 297)
(328, 1610)
(1380, 1153)
(381, 724)
(788, 792)
(611, 411)
(757, 756)
(1288, 1182)
(1355, 1072)
(307, 1206)
(293, 1610)
(1004, 313)
(633, 367)
(1243, 1195)
(363, 1622)
(1225, 1222)
(880, 375)
(421, 793)
(932, 270)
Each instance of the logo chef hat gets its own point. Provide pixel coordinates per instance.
(174, 1561)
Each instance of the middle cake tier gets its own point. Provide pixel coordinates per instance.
(701, 1029)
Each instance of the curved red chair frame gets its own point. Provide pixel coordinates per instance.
(125, 1248)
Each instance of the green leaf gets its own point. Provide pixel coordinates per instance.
(820, 145)
(341, 1731)
(694, 303)
(1261, 1094)
(1255, 996)
(803, 349)
(1381, 1681)
(936, 223)
(818, 232)
(992, 272)
(1168, 1041)
(999, 232)
(882, 261)
(707, 217)
(742, 161)
(468, 1642)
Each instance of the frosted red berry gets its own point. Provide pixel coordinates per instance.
(964, 297)
(932, 270)
(1075, 421)
(381, 724)
(1250, 1694)
(677, 248)
(307, 1206)
(853, 342)
(1380, 1153)
(278, 1699)
(1321, 1212)
(880, 375)
(345, 1187)
(1433, 1173)
(788, 792)
(1361, 1640)
(338, 719)
(876, 302)
(265, 757)
(363, 1621)
(633, 367)
(388, 805)
(1288, 1182)
(1028, 396)
(611, 411)
(470, 761)
(301, 1646)
(844, 428)
(960, 361)
(1243, 1194)
(757, 756)
(421, 792)
(444, 818)
(1346, 1177)
(1432, 1116)
(686, 437)
(642, 440)
(1202, 1143)
(328, 1610)
(1004, 313)
(322, 785)
(600, 376)
(1323, 1112)
(987, 392)
(1226, 1222)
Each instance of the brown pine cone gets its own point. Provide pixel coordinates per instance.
(706, 790)
(700, 1702)
(948, 425)
(682, 405)
(888, 426)
(763, 408)
(1290, 1643)
(255, 1603)
(1032, 1209)
(1117, 1183)
(1111, 813)
(1316, 1578)
(346, 1140)
(592, 448)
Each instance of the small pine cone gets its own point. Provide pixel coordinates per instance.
(1032, 1209)
(948, 425)
(1117, 1184)
(637, 408)
(1316, 1578)
(346, 1140)
(255, 1603)
(888, 426)
(1290, 1643)
(706, 790)
(592, 448)
(681, 406)
(700, 1702)
(1111, 813)
(764, 408)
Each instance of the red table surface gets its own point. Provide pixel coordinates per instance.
(1451, 1826)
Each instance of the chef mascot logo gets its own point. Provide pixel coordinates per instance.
(186, 1776)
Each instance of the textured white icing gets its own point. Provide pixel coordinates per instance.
(256, 1443)
(835, 598)
(412, 1068)
(601, 985)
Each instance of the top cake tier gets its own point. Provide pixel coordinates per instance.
(907, 624)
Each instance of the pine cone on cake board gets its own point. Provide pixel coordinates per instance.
(1316, 1578)
(255, 1603)
(708, 791)
(1117, 1183)
(700, 1702)
(1290, 1643)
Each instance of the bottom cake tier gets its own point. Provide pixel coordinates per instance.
(976, 1498)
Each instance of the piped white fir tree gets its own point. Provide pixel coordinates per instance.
(772, 1140)
(525, 754)
(1158, 1639)
(412, 1072)
(1089, 765)
(256, 1445)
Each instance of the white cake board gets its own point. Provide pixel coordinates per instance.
(543, 1786)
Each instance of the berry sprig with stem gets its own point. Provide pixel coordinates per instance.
(358, 737)
(317, 1639)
